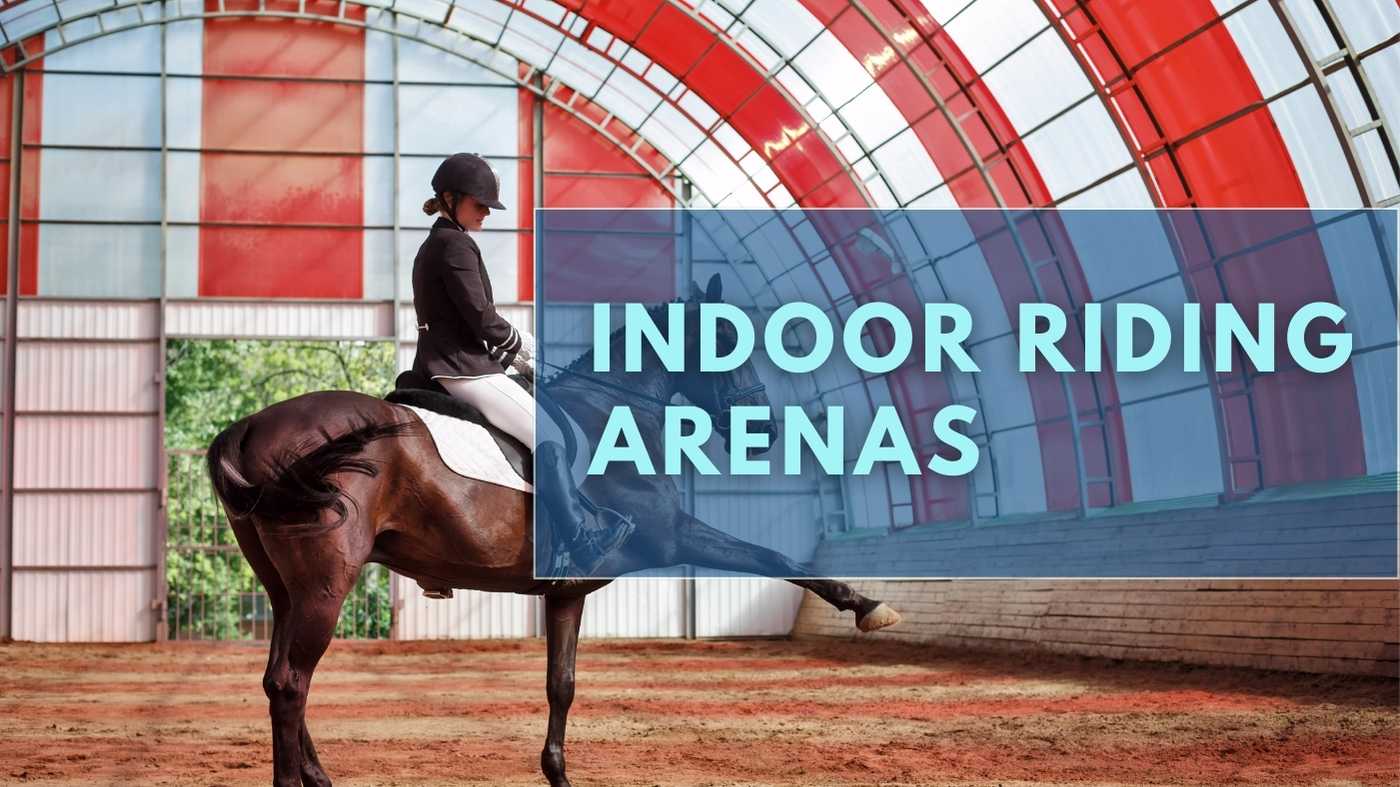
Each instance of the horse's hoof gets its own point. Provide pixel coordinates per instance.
(882, 616)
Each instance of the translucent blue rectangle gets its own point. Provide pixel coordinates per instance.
(1219, 400)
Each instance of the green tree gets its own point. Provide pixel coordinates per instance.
(213, 593)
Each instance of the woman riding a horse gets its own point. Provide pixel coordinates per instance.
(465, 346)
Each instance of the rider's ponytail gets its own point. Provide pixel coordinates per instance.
(432, 207)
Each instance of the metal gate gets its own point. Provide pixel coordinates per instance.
(211, 591)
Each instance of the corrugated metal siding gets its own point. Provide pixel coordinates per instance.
(87, 377)
(87, 468)
(636, 607)
(102, 529)
(467, 615)
(59, 319)
(83, 607)
(304, 320)
(737, 606)
(85, 452)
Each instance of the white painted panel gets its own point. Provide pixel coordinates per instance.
(468, 614)
(987, 30)
(831, 68)
(182, 187)
(1020, 472)
(251, 320)
(1383, 72)
(99, 260)
(111, 606)
(135, 50)
(735, 607)
(1040, 79)
(873, 116)
(89, 529)
(867, 501)
(1315, 150)
(184, 120)
(86, 451)
(104, 606)
(443, 119)
(182, 262)
(636, 607)
(1124, 190)
(87, 377)
(1359, 276)
(969, 282)
(907, 166)
(41, 605)
(1078, 148)
(1367, 22)
(1101, 254)
(379, 192)
(1376, 393)
(786, 25)
(184, 46)
(379, 50)
(379, 118)
(1160, 434)
(378, 266)
(1006, 396)
(58, 319)
(1266, 49)
(628, 97)
(419, 63)
(116, 110)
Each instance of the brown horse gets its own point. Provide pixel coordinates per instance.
(317, 486)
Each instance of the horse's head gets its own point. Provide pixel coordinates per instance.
(717, 392)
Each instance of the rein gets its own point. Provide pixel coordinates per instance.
(725, 401)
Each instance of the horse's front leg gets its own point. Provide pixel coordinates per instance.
(702, 545)
(562, 617)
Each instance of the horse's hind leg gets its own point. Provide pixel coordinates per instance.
(562, 616)
(312, 775)
(700, 544)
(317, 573)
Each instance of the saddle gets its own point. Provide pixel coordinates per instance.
(417, 390)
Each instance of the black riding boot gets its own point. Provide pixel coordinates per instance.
(587, 545)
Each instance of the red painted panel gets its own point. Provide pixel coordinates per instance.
(280, 262)
(295, 116)
(281, 189)
(1244, 163)
(622, 18)
(271, 46)
(671, 35)
(724, 79)
(29, 175)
(271, 262)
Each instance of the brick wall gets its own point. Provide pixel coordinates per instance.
(1316, 625)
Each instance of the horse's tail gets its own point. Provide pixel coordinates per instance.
(301, 486)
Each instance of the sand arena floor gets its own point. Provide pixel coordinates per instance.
(671, 713)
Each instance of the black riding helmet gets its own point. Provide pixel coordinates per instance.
(468, 173)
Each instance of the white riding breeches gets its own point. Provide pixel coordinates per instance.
(506, 405)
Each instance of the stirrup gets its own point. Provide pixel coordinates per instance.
(434, 592)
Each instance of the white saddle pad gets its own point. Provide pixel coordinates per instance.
(470, 451)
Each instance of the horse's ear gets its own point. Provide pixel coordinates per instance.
(695, 293)
(714, 289)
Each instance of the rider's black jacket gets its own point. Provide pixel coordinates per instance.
(459, 332)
